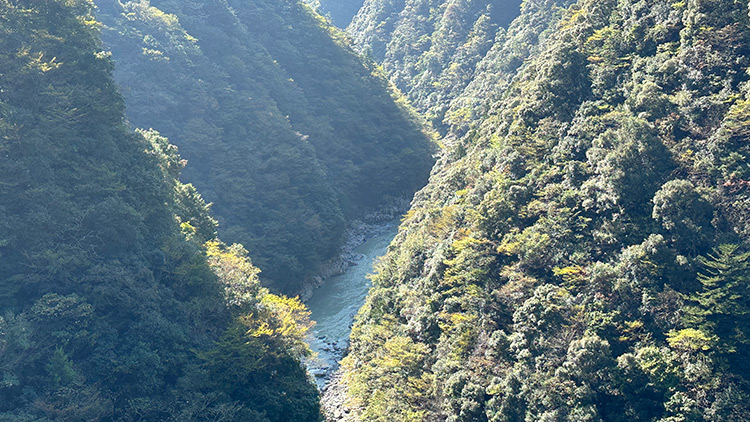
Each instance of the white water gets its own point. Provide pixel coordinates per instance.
(335, 303)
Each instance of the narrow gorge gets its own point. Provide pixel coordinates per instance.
(375, 210)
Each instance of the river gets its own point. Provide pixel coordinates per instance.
(334, 304)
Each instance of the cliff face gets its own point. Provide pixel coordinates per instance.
(268, 104)
(579, 251)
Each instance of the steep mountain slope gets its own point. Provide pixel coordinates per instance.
(110, 307)
(290, 135)
(580, 254)
(429, 49)
(468, 101)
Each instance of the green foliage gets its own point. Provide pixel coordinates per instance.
(108, 295)
(429, 49)
(722, 308)
(690, 339)
(393, 381)
(265, 99)
(558, 265)
(684, 213)
(255, 372)
(60, 368)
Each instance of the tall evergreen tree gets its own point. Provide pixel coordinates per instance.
(723, 306)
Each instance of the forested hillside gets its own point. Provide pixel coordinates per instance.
(581, 253)
(430, 49)
(117, 302)
(287, 132)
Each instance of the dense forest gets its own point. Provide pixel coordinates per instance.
(265, 100)
(118, 302)
(581, 250)
(429, 49)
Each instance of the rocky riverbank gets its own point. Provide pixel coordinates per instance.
(357, 234)
(334, 305)
(333, 400)
(323, 370)
(343, 290)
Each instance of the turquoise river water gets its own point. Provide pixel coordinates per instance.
(334, 305)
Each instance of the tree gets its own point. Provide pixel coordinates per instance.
(723, 307)
(681, 210)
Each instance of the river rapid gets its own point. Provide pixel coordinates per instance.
(334, 304)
